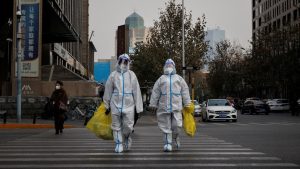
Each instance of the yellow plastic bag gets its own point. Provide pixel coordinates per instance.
(189, 124)
(100, 124)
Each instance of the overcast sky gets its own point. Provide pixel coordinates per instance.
(233, 16)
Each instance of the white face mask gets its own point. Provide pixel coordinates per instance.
(168, 70)
(123, 67)
(57, 87)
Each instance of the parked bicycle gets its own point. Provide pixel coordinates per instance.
(82, 111)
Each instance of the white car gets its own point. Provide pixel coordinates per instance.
(279, 105)
(218, 109)
(197, 111)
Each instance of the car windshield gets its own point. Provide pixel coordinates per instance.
(218, 102)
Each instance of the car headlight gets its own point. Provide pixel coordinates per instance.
(234, 111)
(210, 111)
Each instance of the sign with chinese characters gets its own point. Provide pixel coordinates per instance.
(64, 54)
(30, 28)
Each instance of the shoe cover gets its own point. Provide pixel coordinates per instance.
(118, 141)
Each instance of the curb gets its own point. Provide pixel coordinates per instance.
(30, 126)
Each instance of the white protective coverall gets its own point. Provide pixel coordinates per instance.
(123, 95)
(169, 94)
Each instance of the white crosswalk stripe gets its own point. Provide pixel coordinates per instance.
(77, 148)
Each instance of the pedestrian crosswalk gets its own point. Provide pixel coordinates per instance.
(78, 148)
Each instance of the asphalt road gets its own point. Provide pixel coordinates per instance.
(255, 141)
(276, 134)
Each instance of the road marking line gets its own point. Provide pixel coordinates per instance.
(121, 158)
(133, 148)
(133, 153)
(95, 146)
(156, 165)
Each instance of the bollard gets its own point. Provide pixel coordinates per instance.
(4, 113)
(4, 118)
(34, 118)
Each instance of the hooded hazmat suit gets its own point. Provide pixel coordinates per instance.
(170, 93)
(123, 96)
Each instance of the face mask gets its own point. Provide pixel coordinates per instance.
(123, 67)
(57, 87)
(168, 70)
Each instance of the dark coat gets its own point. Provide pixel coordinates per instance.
(58, 96)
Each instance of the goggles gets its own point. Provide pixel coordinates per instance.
(123, 60)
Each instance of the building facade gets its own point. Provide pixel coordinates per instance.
(269, 15)
(56, 44)
(137, 31)
(213, 36)
(276, 41)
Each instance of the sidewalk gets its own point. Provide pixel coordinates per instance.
(40, 123)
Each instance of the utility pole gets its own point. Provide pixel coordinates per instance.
(19, 56)
(183, 56)
(9, 40)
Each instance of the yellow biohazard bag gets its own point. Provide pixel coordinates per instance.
(189, 124)
(100, 124)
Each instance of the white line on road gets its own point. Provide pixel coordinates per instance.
(109, 148)
(99, 141)
(121, 158)
(110, 144)
(132, 153)
(156, 165)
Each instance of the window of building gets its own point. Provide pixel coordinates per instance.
(253, 3)
(253, 14)
(284, 20)
(274, 25)
(259, 22)
(278, 23)
(288, 18)
(295, 15)
(253, 25)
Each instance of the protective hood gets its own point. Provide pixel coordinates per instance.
(123, 63)
(169, 67)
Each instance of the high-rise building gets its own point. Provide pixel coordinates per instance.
(213, 37)
(137, 31)
(55, 42)
(268, 15)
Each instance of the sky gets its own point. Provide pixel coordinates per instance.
(233, 16)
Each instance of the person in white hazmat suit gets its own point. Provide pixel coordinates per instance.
(122, 97)
(169, 94)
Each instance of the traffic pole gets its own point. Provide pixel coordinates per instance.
(19, 56)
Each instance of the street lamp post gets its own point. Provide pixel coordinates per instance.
(19, 56)
(9, 40)
(183, 56)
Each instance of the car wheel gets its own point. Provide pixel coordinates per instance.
(234, 120)
(242, 111)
